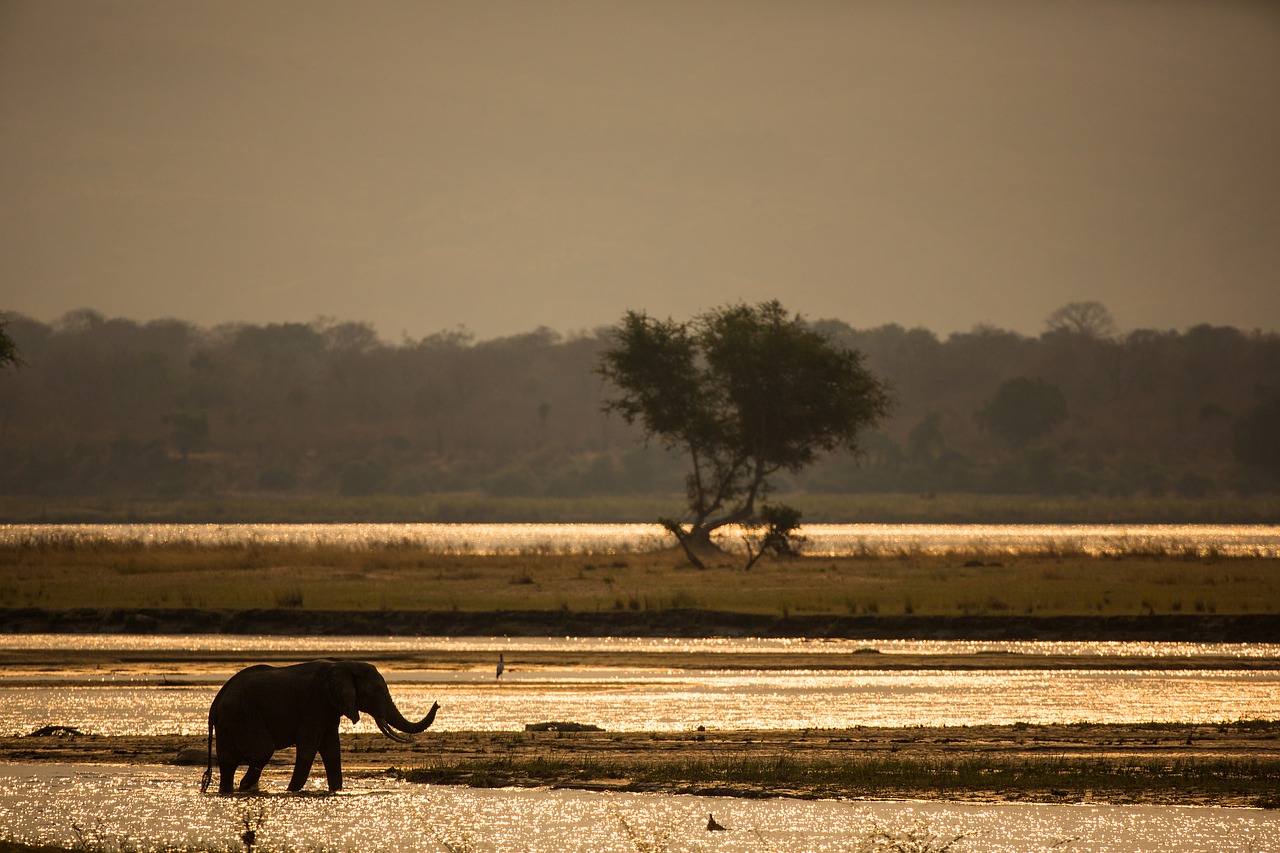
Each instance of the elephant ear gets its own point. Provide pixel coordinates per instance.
(340, 684)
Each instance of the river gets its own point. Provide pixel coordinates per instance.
(148, 808)
(166, 699)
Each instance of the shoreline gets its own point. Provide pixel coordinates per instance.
(670, 622)
(1235, 764)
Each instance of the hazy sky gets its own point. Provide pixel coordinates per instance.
(504, 165)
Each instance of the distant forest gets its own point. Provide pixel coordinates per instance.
(166, 409)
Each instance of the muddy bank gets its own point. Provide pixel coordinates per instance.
(1242, 628)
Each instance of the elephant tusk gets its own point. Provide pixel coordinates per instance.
(392, 733)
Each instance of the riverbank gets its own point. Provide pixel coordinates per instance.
(674, 622)
(70, 665)
(1235, 764)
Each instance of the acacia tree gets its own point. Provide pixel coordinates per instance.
(744, 391)
(1091, 319)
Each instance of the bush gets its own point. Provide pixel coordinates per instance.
(365, 477)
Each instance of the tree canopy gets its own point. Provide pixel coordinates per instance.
(327, 409)
(9, 356)
(745, 392)
(1023, 410)
(1256, 438)
(1091, 319)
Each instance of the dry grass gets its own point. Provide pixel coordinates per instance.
(400, 577)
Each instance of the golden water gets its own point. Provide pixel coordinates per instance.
(156, 808)
(682, 701)
(824, 539)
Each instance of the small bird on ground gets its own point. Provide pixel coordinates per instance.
(501, 666)
(712, 826)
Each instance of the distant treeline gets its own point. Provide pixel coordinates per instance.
(167, 409)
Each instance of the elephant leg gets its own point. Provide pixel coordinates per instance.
(226, 777)
(306, 756)
(250, 780)
(331, 753)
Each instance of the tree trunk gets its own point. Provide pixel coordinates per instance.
(696, 541)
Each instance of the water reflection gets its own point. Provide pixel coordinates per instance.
(681, 700)
(824, 539)
(160, 698)
(152, 808)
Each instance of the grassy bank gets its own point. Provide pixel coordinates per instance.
(108, 575)
(474, 507)
(1228, 764)
(1248, 781)
(1234, 764)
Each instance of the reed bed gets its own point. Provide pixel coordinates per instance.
(1044, 779)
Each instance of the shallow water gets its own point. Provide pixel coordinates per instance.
(682, 700)
(823, 539)
(174, 698)
(151, 808)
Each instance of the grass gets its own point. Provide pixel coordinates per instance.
(1047, 779)
(132, 575)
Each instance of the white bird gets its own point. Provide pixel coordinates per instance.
(501, 666)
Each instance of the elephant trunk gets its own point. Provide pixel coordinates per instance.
(395, 720)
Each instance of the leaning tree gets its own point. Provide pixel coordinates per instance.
(745, 392)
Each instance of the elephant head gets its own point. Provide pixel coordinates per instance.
(355, 686)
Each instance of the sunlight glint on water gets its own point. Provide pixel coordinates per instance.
(684, 700)
(311, 646)
(824, 539)
(153, 808)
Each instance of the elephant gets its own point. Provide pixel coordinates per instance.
(264, 708)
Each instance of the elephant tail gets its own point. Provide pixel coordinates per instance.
(207, 778)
